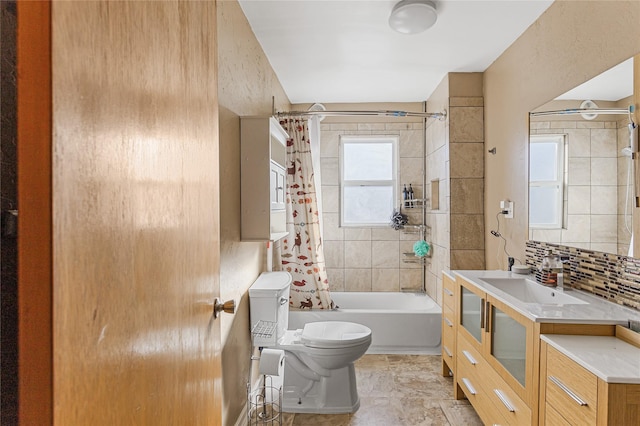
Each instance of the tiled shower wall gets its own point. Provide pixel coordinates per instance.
(371, 259)
(595, 195)
(455, 165)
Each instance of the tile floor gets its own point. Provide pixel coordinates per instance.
(398, 390)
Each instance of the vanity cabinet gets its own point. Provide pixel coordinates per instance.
(449, 328)
(495, 353)
(571, 394)
(263, 179)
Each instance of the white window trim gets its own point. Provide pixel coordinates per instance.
(560, 141)
(394, 139)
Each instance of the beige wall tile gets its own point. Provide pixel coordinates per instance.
(578, 228)
(385, 254)
(604, 171)
(411, 171)
(562, 124)
(604, 229)
(467, 232)
(464, 101)
(332, 230)
(410, 279)
(336, 279)
(329, 143)
(333, 254)
(384, 234)
(385, 279)
(579, 171)
(579, 142)
(467, 196)
(330, 199)
(590, 125)
(357, 254)
(466, 124)
(357, 234)
(579, 199)
(371, 127)
(357, 279)
(466, 160)
(411, 144)
(604, 143)
(344, 126)
(399, 126)
(469, 259)
(330, 171)
(604, 200)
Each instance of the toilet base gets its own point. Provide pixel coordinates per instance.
(336, 394)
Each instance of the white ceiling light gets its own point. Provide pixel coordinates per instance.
(413, 16)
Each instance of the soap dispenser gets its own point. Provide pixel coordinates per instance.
(548, 271)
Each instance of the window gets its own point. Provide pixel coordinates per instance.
(546, 181)
(368, 169)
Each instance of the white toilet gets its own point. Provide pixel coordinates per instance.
(319, 375)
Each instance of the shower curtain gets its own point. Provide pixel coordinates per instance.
(301, 251)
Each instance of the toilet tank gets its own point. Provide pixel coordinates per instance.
(269, 303)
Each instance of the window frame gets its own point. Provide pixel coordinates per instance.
(561, 141)
(342, 182)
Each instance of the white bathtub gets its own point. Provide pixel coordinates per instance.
(401, 323)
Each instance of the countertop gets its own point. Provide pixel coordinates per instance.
(611, 359)
(595, 311)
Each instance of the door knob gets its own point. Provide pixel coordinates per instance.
(218, 306)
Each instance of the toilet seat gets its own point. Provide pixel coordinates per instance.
(334, 334)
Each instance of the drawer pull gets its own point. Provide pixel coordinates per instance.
(448, 292)
(568, 391)
(504, 400)
(449, 323)
(447, 351)
(469, 386)
(471, 359)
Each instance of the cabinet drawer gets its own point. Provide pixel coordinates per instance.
(552, 417)
(571, 389)
(448, 339)
(472, 382)
(467, 355)
(506, 401)
(448, 292)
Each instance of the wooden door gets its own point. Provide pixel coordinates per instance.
(134, 217)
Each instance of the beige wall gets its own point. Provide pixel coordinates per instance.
(570, 43)
(246, 85)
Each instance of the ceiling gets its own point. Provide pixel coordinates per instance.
(339, 51)
(612, 85)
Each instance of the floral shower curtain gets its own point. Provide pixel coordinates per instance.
(302, 254)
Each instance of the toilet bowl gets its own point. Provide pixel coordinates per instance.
(319, 375)
(319, 372)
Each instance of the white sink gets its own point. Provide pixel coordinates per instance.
(528, 291)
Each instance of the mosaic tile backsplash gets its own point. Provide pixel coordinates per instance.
(613, 277)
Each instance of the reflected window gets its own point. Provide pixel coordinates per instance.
(368, 170)
(546, 181)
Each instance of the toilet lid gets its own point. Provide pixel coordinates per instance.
(334, 334)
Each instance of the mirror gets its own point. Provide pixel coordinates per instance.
(580, 169)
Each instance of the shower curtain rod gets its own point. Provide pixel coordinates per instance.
(439, 115)
(575, 111)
